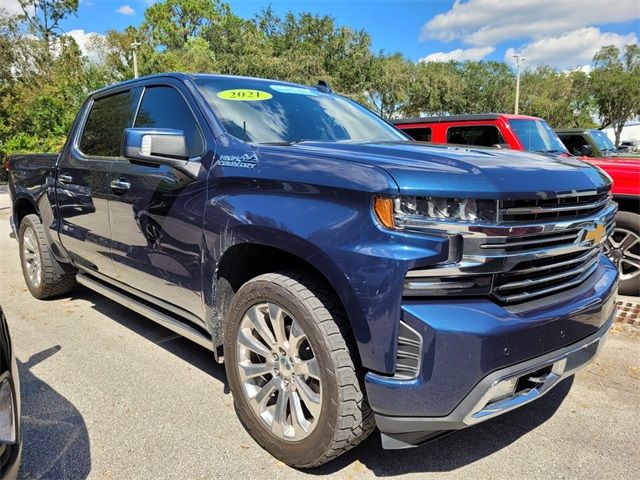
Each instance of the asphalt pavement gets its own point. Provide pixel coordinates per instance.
(107, 394)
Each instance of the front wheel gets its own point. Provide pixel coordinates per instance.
(623, 248)
(293, 378)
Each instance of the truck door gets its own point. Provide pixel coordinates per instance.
(82, 183)
(156, 211)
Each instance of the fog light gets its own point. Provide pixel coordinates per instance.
(503, 390)
(7, 412)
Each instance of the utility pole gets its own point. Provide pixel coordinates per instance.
(519, 59)
(134, 48)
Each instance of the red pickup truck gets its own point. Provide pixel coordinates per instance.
(521, 132)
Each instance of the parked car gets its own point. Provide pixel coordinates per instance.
(10, 435)
(589, 142)
(520, 132)
(347, 276)
(629, 147)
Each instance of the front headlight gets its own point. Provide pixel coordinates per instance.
(408, 211)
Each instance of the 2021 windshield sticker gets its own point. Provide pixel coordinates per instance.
(244, 95)
(239, 161)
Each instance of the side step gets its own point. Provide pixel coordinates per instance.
(157, 316)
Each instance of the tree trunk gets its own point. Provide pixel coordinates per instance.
(617, 130)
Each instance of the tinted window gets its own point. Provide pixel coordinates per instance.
(481, 135)
(420, 134)
(262, 111)
(164, 107)
(107, 120)
(574, 143)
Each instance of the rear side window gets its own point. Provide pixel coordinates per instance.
(164, 107)
(109, 116)
(420, 134)
(480, 135)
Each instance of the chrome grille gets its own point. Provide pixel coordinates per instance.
(535, 278)
(559, 208)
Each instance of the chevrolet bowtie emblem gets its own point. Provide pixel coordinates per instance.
(595, 234)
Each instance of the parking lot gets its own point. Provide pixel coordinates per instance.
(107, 393)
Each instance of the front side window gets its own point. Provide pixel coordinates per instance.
(109, 116)
(480, 135)
(574, 143)
(270, 112)
(164, 107)
(537, 136)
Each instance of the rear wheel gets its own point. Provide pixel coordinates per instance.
(623, 248)
(293, 378)
(44, 275)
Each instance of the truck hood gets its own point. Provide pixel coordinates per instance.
(424, 169)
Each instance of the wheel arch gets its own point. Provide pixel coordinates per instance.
(22, 207)
(243, 261)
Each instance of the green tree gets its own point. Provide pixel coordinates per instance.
(436, 89)
(44, 16)
(615, 85)
(388, 90)
(172, 22)
(487, 87)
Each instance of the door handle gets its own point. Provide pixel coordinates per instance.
(65, 178)
(120, 185)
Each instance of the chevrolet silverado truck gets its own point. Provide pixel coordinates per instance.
(521, 132)
(347, 276)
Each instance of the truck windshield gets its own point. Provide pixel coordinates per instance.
(603, 142)
(270, 112)
(537, 136)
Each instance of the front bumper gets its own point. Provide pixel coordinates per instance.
(472, 346)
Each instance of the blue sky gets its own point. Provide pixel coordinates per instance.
(563, 33)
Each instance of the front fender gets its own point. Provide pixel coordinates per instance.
(333, 230)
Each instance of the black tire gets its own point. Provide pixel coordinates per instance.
(620, 250)
(55, 278)
(345, 417)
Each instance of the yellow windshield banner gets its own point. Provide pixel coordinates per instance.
(244, 95)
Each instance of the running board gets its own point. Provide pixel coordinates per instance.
(157, 316)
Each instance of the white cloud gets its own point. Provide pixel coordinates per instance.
(126, 10)
(488, 22)
(459, 55)
(86, 41)
(11, 6)
(573, 49)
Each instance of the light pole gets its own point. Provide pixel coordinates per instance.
(519, 59)
(134, 48)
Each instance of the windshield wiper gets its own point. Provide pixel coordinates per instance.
(550, 151)
(286, 143)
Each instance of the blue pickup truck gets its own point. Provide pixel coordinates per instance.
(348, 277)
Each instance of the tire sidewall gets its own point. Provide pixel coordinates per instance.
(629, 221)
(27, 222)
(308, 449)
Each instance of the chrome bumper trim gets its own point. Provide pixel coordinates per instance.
(562, 366)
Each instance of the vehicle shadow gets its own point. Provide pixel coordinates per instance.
(55, 436)
(191, 352)
(457, 449)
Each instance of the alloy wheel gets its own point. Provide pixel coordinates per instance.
(623, 248)
(278, 371)
(31, 257)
